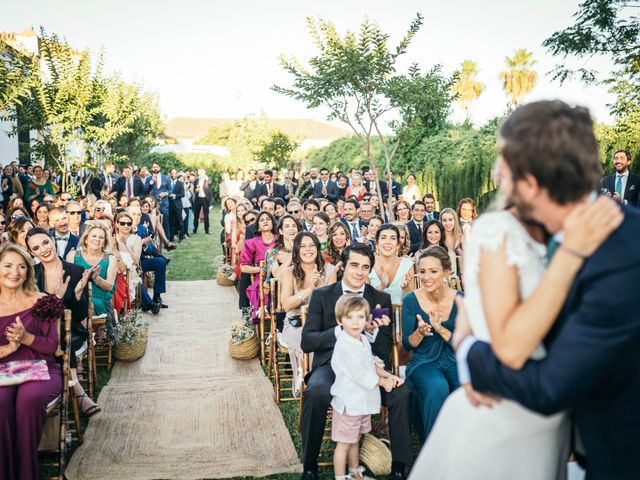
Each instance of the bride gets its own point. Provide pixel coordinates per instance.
(512, 298)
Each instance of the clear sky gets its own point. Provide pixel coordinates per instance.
(212, 58)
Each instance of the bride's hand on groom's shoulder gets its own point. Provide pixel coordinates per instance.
(588, 226)
(462, 328)
(478, 399)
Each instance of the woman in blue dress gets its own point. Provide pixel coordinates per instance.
(428, 321)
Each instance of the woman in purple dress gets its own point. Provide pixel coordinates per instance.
(27, 332)
(253, 252)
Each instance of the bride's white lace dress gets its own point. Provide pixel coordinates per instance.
(507, 441)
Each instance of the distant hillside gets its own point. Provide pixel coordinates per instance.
(193, 128)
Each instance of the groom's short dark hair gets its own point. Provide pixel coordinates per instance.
(555, 143)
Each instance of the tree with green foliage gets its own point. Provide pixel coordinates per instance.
(16, 73)
(355, 76)
(467, 88)
(610, 29)
(519, 78)
(277, 150)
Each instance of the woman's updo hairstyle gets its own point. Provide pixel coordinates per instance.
(439, 253)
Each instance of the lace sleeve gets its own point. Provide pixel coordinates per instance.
(494, 229)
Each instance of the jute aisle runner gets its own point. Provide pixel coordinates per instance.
(186, 410)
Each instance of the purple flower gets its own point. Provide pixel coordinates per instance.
(48, 309)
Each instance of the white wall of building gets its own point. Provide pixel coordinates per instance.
(8, 145)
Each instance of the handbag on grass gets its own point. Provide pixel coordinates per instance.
(21, 371)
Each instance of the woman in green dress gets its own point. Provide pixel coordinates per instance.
(94, 252)
(38, 187)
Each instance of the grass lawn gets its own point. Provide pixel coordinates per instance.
(193, 259)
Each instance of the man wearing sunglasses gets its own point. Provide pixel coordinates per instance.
(74, 212)
(59, 223)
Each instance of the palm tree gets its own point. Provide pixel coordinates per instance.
(519, 79)
(467, 88)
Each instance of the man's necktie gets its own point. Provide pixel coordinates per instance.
(128, 188)
(619, 185)
(552, 247)
(354, 231)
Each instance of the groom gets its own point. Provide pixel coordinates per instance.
(593, 362)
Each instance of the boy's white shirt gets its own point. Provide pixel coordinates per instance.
(355, 390)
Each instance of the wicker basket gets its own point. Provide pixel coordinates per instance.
(246, 350)
(127, 352)
(223, 280)
(375, 454)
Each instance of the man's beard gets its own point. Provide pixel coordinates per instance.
(525, 210)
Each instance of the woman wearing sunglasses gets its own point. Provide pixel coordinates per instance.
(130, 248)
(3, 224)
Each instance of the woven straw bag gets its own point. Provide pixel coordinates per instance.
(128, 352)
(375, 454)
(223, 280)
(246, 350)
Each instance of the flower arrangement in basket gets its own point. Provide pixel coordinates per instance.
(243, 342)
(130, 335)
(225, 273)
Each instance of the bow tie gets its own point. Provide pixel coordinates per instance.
(58, 237)
(357, 292)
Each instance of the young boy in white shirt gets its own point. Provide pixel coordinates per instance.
(355, 391)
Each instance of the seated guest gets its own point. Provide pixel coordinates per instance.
(416, 225)
(278, 257)
(321, 224)
(295, 209)
(453, 239)
(319, 336)
(402, 211)
(253, 253)
(155, 220)
(41, 216)
(372, 229)
(28, 326)
(130, 249)
(55, 276)
(309, 210)
(332, 212)
(366, 212)
(391, 274)
(18, 230)
(356, 189)
(404, 249)
(430, 207)
(65, 240)
(150, 260)
(237, 237)
(74, 212)
(18, 212)
(467, 213)
(357, 227)
(94, 253)
(308, 271)
(338, 239)
(428, 320)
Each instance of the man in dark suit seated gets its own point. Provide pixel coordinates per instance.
(623, 186)
(592, 365)
(351, 219)
(129, 185)
(325, 188)
(416, 225)
(59, 223)
(430, 208)
(319, 337)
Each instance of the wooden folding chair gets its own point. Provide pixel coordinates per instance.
(279, 361)
(99, 355)
(417, 283)
(265, 318)
(328, 446)
(399, 356)
(58, 409)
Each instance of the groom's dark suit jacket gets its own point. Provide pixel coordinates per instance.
(593, 360)
(318, 334)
